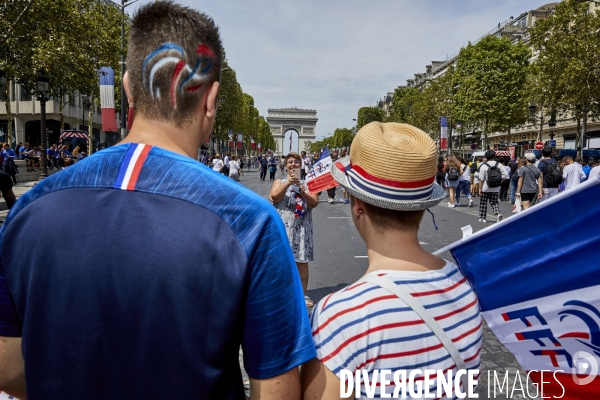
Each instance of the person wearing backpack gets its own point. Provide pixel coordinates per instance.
(530, 182)
(552, 174)
(491, 175)
(453, 172)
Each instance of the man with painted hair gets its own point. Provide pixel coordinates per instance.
(153, 307)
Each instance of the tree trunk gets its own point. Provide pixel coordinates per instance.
(485, 136)
(90, 126)
(8, 112)
(61, 105)
(578, 135)
(582, 135)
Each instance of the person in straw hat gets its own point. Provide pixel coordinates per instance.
(372, 324)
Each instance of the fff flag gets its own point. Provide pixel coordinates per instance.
(107, 99)
(319, 178)
(537, 277)
(444, 133)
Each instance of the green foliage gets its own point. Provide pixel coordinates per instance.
(568, 55)
(367, 115)
(491, 82)
(342, 137)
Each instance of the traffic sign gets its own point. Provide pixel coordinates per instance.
(473, 146)
(539, 145)
(552, 143)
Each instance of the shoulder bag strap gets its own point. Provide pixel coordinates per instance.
(425, 316)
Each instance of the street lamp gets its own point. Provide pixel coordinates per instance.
(552, 125)
(42, 89)
(123, 97)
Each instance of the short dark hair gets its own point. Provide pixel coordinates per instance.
(175, 54)
(547, 152)
(384, 219)
(490, 154)
(293, 155)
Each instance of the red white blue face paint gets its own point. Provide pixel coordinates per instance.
(185, 78)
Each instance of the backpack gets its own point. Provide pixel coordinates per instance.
(453, 174)
(473, 167)
(494, 175)
(553, 176)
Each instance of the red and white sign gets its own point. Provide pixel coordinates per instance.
(539, 145)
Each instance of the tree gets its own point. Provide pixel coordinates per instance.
(17, 22)
(369, 114)
(490, 79)
(404, 105)
(568, 62)
(342, 137)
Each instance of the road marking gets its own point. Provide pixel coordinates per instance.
(338, 217)
(361, 256)
(423, 243)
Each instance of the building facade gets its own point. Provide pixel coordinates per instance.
(25, 116)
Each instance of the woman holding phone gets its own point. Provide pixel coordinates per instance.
(294, 203)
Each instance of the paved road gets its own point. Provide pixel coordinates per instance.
(340, 259)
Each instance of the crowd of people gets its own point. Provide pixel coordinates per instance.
(524, 181)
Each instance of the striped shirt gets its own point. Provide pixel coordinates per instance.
(366, 327)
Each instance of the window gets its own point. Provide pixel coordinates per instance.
(13, 90)
(72, 99)
(2, 88)
(25, 94)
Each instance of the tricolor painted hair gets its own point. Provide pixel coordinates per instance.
(175, 54)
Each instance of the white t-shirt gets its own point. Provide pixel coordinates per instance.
(466, 175)
(226, 161)
(217, 164)
(366, 327)
(595, 172)
(234, 167)
(483, 170)
(573, 175)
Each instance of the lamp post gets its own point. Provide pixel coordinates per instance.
(42, 81)
(552, 125)
(123, 97)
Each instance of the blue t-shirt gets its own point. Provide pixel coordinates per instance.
(175, 267)
(22, 151)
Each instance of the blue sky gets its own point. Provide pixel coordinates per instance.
(335, 56)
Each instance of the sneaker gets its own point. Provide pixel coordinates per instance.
(483, 220)
(470, 202)
(450, 205)
(330, 201)
(499, 217)
(346, 201)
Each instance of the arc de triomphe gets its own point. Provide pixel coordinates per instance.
(304, 122)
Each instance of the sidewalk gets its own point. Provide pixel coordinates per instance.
(19, 190)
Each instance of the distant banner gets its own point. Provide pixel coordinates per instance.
(107, 99)
(319, 178)
(544, 303)
(444, 134)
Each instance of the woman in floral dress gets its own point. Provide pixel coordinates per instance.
(294, 203)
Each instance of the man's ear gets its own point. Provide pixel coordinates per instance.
(358, 207)
(127, 89)
(212, 96)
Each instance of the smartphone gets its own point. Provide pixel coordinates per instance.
(297, 173)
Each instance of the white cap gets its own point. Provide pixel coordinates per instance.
(530, 156)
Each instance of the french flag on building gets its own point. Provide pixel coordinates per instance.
(107, 99)
(252, 144)
(319, 178)
(537, 277)
(444, 133)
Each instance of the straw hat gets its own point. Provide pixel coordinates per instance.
(391, 166)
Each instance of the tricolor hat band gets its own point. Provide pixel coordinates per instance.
(361, 180)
